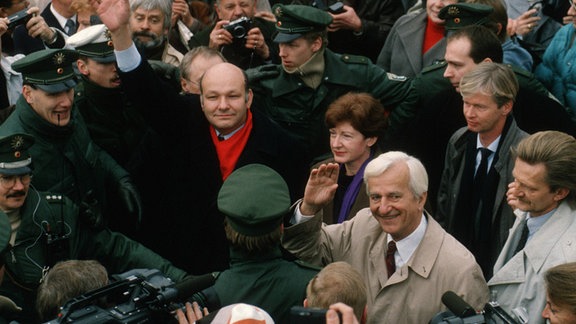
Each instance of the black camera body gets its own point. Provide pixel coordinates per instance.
(137, 296)
(19, 18)
(335, 8)
(239, 28)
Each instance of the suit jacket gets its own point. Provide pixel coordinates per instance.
(25, 44)
(402, 51)
(193, 170)
(518, 278)
(502, 214)
(413, 293)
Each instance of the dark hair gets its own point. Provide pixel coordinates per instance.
(253, 244)
(498, 19)
(365, 113)
(483, 43)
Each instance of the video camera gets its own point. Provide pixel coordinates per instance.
(336, 8)
(139, 296)
(239, 28)
(462, 313)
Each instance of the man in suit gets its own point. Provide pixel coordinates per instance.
(478, 166)
(403, 254)
(57, 15)
(206, 137)
(544, 196)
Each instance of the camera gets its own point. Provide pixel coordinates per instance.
(137, 296)
(19, 18)
(239, 28)
(305, 315)
(335, 8)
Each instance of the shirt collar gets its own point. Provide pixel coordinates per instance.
(61, 19)
(227, 136)
(492, 147)
(535, 223)
(408, 245)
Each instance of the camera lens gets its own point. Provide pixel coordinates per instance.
(239, 32)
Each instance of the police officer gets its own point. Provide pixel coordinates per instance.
(114, 121)
(297, 93)
(258, 275)
(71, 163)
(47, 228)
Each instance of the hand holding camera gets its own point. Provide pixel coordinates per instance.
(240, 32)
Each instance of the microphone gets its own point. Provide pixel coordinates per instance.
(457, 305)
(186, 288)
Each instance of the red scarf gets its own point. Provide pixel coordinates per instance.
(434, 33)
(229, 150)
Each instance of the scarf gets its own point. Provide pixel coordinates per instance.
(229, 150)
(352, 190)
(311, 71)
(434, 33)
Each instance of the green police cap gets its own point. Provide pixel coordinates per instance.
(5, 231)
(254, 198)
(14, 156)
(49, 69)
(460, 15)
(94, 42)
(293, 21)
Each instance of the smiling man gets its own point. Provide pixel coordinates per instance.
(71, 164)
(406, 259)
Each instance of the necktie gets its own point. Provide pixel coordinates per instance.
(390, 262)
(70, 27)
(523, 238)
(483, 167)
(221, 138)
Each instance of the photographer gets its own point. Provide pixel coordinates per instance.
(243, 39)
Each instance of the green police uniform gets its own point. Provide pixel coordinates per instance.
(52, 228)
(299, 108)
(263, 278)
(71, 164)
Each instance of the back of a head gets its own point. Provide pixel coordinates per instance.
(337, 282)
(66, 280)
(498, 19)
(199, 51)
(561, 285)
(557, 151)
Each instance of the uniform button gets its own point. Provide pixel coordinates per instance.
(299, 84)
(325, 78)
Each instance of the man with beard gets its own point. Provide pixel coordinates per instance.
(150, 24)
(114, 122)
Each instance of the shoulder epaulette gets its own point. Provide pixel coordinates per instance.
(354, 59)
(435, 66)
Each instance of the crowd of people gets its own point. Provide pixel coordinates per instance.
(363, 158)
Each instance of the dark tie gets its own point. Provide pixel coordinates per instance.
(70, 27)
(390, 262)
(483, 167)
(523, 238)
(221, 138)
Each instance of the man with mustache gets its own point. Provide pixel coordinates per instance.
(47, 228)
(114, 122)
(478, 165)
(71, 164)
(150, 24)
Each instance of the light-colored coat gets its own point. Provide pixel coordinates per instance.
(402, 51)
(413, 293)
(518, 279)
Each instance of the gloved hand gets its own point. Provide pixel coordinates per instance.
(91, 211)
(128, 195)
(262, 72)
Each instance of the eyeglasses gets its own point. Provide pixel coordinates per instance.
(9, 181)
(572, 4)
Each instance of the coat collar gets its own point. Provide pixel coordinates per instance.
(425, 255)
(544, 243)
(336, 71)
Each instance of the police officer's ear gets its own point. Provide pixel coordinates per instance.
(316, 44)
(83, 67)
(27, 93)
